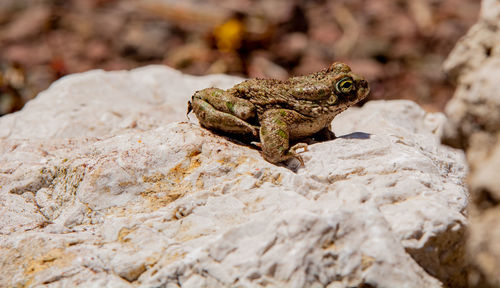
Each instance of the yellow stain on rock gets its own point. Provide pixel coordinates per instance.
(172, 257)
(166, 188)
(31, 256)
(184, 233)
(366, 262)
(330, 245)
(228, 161)
(181, 170)
(123, 233)
(269, 176)
(56, 257)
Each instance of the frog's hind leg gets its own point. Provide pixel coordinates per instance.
(275, 134)
(218, 109)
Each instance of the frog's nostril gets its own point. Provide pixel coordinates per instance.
(363, 83)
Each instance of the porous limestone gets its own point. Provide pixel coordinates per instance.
(474, 124)
(104, 182)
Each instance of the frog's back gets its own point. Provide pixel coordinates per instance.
(262, 92)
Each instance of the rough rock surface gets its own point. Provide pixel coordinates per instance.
(97, 189)
(99, 104)
(474, 124)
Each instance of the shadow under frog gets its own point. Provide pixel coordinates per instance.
(281, 114)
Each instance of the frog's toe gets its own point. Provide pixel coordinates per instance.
(257, 144)
(299, 146)
(255, 131)
(298, 157)
(293, 151)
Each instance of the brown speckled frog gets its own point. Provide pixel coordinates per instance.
(279, 112)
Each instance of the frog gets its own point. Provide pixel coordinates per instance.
(279, 113)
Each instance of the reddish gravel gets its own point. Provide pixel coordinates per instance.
(398, 45)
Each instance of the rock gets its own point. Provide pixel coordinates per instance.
(474, 124)
(100, 107)
(87, 198)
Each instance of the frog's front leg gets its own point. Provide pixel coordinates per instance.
(275, 134)
(218, 109)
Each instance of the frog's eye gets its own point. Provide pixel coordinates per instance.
(345, 85)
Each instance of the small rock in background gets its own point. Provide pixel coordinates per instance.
(474, 124)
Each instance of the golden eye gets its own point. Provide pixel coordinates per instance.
(345, 85)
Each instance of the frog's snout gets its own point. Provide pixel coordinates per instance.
(362, 83)
(361, 89)
(361, 86)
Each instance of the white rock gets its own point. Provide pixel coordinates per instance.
(93, 104)
(173, 204)
(474, 124)
(490, 11)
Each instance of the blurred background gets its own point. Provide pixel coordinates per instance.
(398, 45)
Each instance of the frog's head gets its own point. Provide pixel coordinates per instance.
(348, 88)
